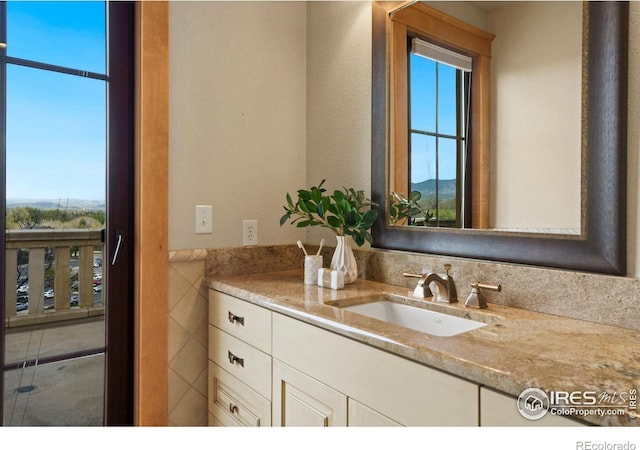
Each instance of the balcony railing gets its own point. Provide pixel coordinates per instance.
(50, 250)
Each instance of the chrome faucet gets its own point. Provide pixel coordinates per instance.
(445, 284)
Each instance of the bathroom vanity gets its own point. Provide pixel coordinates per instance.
(283, 353)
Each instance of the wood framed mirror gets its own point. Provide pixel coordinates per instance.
(600, 245)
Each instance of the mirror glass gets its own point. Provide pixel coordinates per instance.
(594, 135)
(532, 167)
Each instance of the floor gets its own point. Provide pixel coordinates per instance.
(63, 393)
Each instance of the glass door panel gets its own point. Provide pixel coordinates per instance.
(68, 34)
(55, 162)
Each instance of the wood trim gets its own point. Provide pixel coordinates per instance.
(152, 181)
(480, 143)
(444, 29)
(419, 19)
(400, 110)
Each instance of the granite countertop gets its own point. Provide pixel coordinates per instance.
(518, 349)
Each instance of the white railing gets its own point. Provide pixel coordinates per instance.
(74, 293)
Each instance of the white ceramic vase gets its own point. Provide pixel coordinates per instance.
(344, 261)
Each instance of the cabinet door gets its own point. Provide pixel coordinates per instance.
(299, 400)
(407, 392)
(363, 416)
(500, 410)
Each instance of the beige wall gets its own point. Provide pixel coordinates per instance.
(237, 117)
(218, 156)
(338, 98)
(536, 76)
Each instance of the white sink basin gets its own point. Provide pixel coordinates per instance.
(424, 320)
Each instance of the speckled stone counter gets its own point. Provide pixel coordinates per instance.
(517, 349)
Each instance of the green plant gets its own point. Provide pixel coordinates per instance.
(347, 212)
(408, 210)
(402, 208)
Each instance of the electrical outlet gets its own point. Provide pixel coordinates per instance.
(249, 232)
(203, 219)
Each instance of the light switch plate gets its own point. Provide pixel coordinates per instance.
(203, 219)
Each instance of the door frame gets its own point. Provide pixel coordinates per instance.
(152, 204)
(119, 308)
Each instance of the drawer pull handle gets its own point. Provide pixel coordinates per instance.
(233, 318)
(233, 359)
(233, 408)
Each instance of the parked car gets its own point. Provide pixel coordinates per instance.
(23, 289)
(49, 293)
(97, 262)
(97, 282)
(74, 299)
(97, 276)
(97, 288)
(20, 306)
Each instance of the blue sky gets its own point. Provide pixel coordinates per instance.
(56, 123)
(423, 116)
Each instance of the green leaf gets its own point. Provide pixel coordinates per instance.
(316, 195)
(304, 194)
(334, 221)
(310, 206)
(368, 218)
(350, 218)
(305, 223)
(285, 218)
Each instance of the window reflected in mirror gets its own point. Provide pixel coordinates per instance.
(439, 84)
(439, 121)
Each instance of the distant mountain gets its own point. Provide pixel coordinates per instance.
(446, 188)
(72, 203)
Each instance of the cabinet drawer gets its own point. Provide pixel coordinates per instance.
(243, 361)
(231, 403)
(241, 319)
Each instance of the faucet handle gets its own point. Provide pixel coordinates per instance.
(447, 268)
(476, 298)
(412, 275)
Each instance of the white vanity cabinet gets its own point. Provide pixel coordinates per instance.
(377, 388)
(239, 362)
(267, 369)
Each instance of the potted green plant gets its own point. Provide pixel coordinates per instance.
(346, 212)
